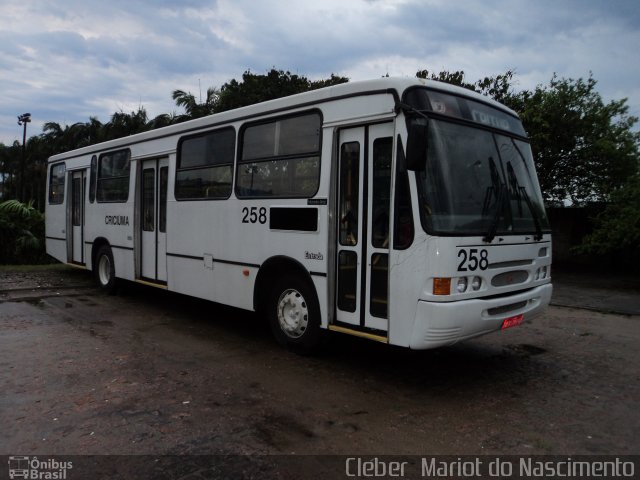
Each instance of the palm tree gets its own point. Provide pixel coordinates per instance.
(162, 120)
(124, 124)
(192, 108)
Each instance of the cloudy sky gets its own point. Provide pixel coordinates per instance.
(66, 60)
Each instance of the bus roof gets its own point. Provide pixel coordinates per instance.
(388, 85)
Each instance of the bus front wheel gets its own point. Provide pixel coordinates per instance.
(294, 315)
(105, 271)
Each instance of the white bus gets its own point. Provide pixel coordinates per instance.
(405, 211)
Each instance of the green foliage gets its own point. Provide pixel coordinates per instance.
(255, 88)
(453, 78)
(192, 108)
(585, 149)
(22, 233)
(498, 87)
(617, 228)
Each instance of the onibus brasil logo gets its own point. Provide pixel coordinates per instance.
(33, 468)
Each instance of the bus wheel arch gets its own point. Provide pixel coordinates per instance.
(103, 266)
(285, 294)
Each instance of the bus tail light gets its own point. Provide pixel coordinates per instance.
(441, 286)
(513, 321)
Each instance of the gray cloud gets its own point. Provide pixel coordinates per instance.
(66, 61)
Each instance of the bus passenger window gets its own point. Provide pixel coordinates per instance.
(56, 184)
(164, 180)
(349, 193)
(280, 158)
(148, 200)
(381, 191)
(93, 178)
(403, 231)
(113, 176)
(205, 165)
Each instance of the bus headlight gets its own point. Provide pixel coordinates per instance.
(476, 283)
(462, 285)
(542, 272)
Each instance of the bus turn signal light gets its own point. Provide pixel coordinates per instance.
(512, 321)
(441, 286)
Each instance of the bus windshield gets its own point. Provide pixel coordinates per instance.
(477, 181)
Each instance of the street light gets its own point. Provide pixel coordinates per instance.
(23, 120)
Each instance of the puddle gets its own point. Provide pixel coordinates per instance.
(36, 302)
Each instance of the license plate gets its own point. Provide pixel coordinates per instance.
(513, 321)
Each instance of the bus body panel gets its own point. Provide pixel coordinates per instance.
(511, 265)
(57, 248)
(441, 324)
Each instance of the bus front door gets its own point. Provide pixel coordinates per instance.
(364, 186)
(153, 220)
(78, 190)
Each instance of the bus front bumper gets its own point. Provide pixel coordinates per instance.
(441, 324)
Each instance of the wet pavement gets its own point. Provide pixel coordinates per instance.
(151, 372)
(613, 293)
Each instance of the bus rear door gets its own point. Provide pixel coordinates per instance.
(153, 220)
(75, 215)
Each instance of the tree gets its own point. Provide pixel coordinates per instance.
(124, 124)
(22, 231)
(162, 120)
(192, 108)
(254, 88)
(10, 156)
(499, 87)
(453, 78)
(328, 82)
(617, 227)
(585, 149)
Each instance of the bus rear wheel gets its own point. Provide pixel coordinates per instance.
(294, 315)
(104, 270)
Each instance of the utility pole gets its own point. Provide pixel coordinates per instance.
(23, 120)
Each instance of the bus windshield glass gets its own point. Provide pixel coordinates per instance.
(478, 181)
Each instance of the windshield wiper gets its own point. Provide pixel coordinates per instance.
(408, 108)
(521, 192)
(534, 214)
(493, 227)
(497, 189)
(514, 186)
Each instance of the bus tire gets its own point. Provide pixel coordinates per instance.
(105, 270)
(294, 314)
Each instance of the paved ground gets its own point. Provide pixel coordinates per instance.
(601, 292)
(150, 372)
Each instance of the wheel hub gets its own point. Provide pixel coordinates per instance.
(293, 313)
(104, 269)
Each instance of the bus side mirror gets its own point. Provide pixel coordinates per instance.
(417, 144)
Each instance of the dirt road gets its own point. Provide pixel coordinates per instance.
(150, 372)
